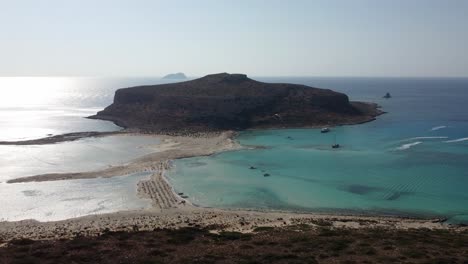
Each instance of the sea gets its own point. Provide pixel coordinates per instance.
(411, 161)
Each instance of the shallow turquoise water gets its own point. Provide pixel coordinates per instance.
(411, 161)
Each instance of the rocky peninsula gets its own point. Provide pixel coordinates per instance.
(223, 101)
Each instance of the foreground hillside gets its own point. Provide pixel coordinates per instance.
(292, 244)
(232, 101)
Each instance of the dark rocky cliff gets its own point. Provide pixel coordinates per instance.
(231, 101)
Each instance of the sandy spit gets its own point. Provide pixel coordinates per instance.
(172, 147)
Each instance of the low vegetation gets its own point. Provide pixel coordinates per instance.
(294, 244)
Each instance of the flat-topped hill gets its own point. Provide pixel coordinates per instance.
(175, 76)
(231, 101)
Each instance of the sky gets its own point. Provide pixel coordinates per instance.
(397, 38)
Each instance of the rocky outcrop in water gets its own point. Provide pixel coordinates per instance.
(175, 76)
(231, 101)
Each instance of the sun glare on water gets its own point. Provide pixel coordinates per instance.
(31, 91)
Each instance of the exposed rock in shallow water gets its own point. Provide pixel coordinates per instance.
(231, 101)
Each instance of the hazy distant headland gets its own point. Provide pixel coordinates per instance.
(232, 102)
(175, 76)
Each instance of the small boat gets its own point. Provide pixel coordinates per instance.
(325, 130)
(266, 175)
(387, 96)
(335, 145)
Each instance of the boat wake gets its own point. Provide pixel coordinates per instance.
(421, 138)
(457, 140)
(437, 128)
(408, 146)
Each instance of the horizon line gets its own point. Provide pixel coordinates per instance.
(253, 76)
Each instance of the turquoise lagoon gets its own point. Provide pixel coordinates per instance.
(412, 161)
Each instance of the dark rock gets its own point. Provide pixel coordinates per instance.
(231, 102)
(440, 220)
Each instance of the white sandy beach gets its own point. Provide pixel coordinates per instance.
(187, 215)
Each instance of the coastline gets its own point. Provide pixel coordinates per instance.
(214, 219)
(171, 211)
(373, 110)
(172, 147)
(68, 137)
(370, 113)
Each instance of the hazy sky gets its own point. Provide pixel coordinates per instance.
(262, 38)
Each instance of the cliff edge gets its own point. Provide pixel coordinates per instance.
(231, 101)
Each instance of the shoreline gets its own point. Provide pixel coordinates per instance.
(171, 147)
(68, 137)
(373, 110)
(167, 165)
(127, 130)
(214, 219)
(171, 211)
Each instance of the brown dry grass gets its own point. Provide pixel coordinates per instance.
(294, 244)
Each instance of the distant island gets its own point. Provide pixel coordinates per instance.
(175, 76)
(225, 101)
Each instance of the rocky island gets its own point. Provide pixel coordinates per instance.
(225, 101)
(175, 76)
